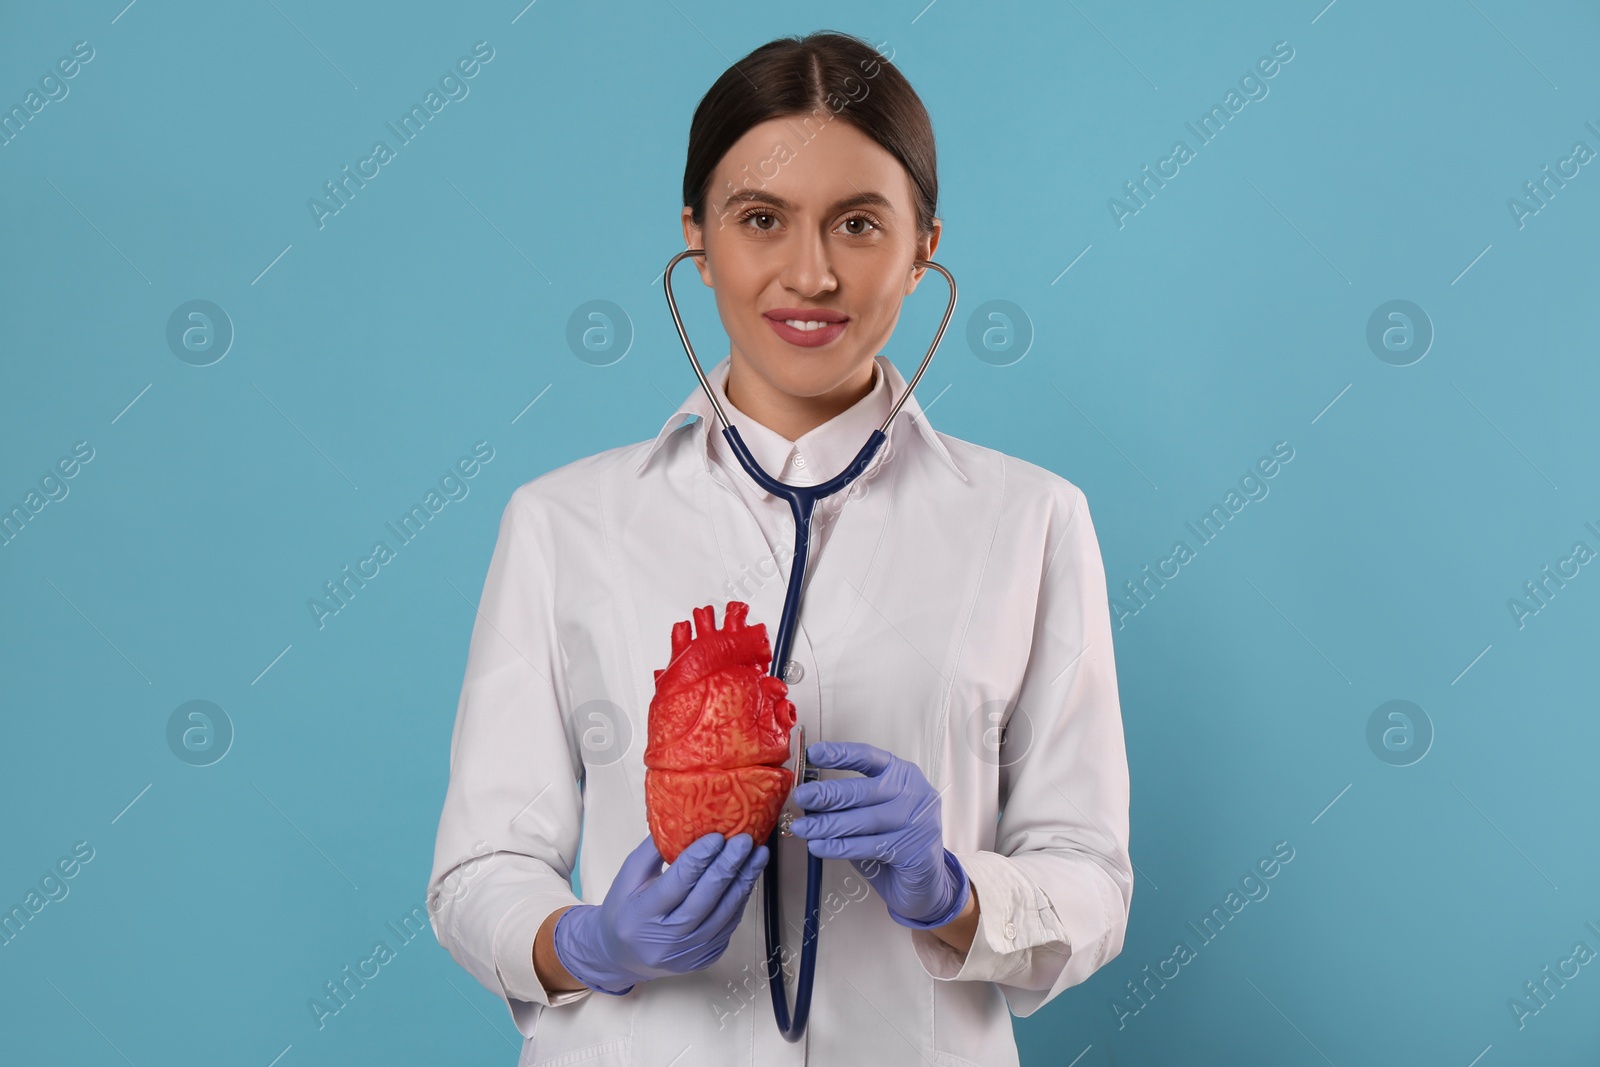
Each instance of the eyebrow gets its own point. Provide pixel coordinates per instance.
(759, 196)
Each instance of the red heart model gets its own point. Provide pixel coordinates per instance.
(719, 735)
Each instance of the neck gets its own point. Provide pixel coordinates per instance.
(785, 413)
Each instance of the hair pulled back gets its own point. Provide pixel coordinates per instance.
(814, 79)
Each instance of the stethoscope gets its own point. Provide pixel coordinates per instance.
(802, 499)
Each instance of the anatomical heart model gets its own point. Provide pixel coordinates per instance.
(719, 735)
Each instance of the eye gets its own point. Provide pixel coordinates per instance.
(757, 212)
(871, 222)
(862, 217)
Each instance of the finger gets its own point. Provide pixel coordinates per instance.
(864, 847)
(834, 794)
(711, 884)
(708, 888)
(850, 756)
(867, 819)
(669, 891)
(724, 922)
(714, 938)
(643, 863)
(730, 909)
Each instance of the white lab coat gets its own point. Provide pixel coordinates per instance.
(955, 589)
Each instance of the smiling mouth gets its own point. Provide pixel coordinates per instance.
(807, 327)
(808, 333)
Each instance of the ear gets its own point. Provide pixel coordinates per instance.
(694, 237)
(925, 249)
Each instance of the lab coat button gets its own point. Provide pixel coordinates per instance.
(793, 672)
(1011, 931)
(799, 461)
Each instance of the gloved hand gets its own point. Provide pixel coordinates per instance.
(652, 925)
(888, 826)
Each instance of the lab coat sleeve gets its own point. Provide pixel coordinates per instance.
(508, 835)
(1055, 893)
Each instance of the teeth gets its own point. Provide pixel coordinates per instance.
(805, 324)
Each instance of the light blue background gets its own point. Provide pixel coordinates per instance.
(1230, 313)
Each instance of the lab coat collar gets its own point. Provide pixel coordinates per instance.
(824, 450)
(828, 447)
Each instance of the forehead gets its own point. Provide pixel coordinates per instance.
(811, 161)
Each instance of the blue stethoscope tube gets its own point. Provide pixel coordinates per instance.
(802, 502)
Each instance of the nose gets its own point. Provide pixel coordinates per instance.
(809, 270)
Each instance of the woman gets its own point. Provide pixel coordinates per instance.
(953, 662)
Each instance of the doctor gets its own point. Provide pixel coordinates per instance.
(953, 662)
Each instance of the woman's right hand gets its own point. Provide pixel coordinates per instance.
(656, 924)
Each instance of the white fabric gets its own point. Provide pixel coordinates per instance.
(952, 589)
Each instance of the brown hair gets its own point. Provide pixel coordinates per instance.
(826, 71)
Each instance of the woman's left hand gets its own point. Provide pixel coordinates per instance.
(888, 826)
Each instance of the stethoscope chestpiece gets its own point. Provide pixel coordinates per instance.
(803, 773)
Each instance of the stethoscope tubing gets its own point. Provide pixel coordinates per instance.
(802, 501)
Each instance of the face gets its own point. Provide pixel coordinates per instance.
(830, 236)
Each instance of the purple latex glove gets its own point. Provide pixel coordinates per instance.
(888, 826)
(656, 924)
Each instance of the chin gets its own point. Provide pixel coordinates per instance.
(813, 373)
